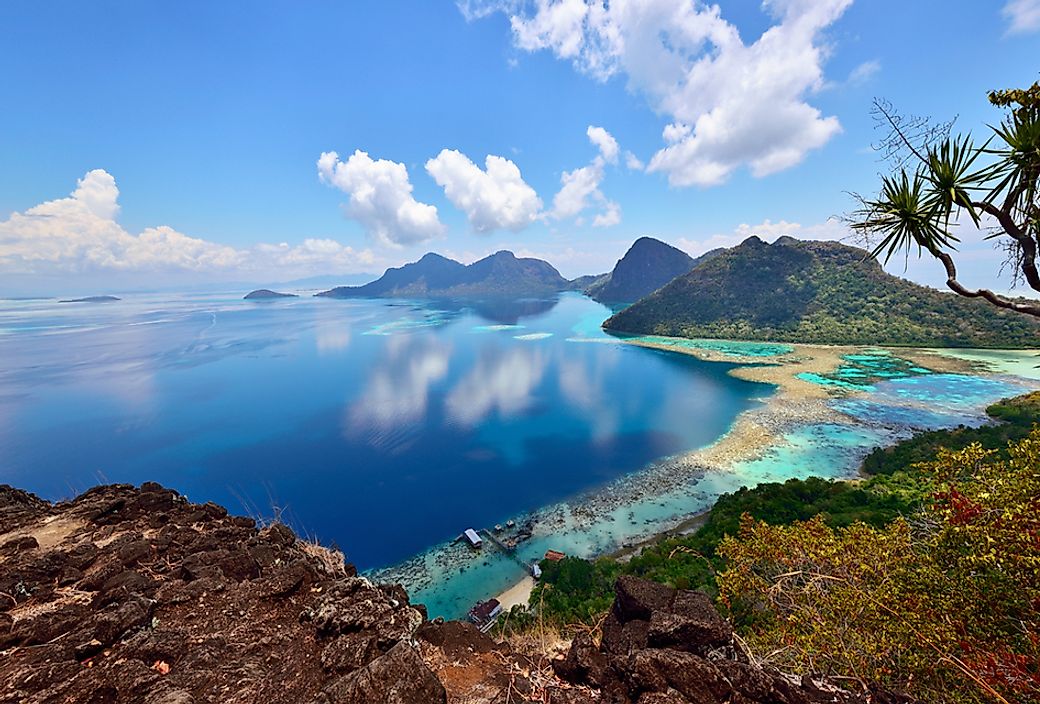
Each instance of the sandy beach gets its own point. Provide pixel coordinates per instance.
(519, 593)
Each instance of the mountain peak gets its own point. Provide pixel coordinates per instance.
(647, 265)
(433, 257)
(815, 292)
(499, 274)
(753, 241)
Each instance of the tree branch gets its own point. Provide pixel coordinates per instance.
(997, 300)
(1027, 243)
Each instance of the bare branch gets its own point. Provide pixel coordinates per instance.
(907, 136)
(996, 299)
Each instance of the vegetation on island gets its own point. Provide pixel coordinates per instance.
(816, 292)
(924, 576)
(940, 179)
(499, 274)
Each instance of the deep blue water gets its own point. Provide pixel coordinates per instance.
(384, 427)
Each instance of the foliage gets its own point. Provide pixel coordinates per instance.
(576, 591)
(1017, 415)
(815, 292)
(945, 176)
(947, 608)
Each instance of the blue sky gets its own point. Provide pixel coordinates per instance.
(195, 129)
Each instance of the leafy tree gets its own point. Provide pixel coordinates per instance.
(939, 176)
(945, 606)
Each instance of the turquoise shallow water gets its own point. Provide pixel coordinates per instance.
(726, 347)
(895, 398)
(859, 372)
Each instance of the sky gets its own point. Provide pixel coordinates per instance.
(178, 144)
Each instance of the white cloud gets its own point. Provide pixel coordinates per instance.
(580, 188)
(864, 72)
(381, 198)
(80, 235)
(493, 199)
(611, 215)
(97, 192)
(1023, 16)
(731, 104)
(633, 162)
(605, 142)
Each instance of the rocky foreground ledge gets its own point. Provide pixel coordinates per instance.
(136, 595)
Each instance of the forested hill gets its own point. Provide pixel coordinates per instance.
(817, 292)
(501, 273)
(647, 266)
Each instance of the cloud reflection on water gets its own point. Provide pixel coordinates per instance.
(502, 382)
(398, 392)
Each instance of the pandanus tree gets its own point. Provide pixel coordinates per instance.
(938, 178)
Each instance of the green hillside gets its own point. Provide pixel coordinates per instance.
(817, 292)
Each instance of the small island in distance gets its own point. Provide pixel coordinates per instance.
(266, 294)
(91, 299)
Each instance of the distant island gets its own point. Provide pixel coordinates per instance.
(266, 294)
(816, 292)
(647, 266)
(500, 274)
(91, 299)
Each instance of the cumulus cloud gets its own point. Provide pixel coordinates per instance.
(611, 215)
(605, 142)
(80, 235)
(381, 198)
(580, 188)
(730, 104)
(493, 198)
(1023, 16)
(633, 162)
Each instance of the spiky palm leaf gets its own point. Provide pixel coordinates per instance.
(951, 177)
(905, 214)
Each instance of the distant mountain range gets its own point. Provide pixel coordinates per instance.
(500, 274)
(647, 266)
(816, 292)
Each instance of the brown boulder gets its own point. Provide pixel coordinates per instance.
(636, 598)
(399, 677)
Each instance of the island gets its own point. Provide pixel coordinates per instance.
(91, 299)
(499, 274)
(816, 293)
(266, 294)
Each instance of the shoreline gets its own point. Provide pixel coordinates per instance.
(796, 402)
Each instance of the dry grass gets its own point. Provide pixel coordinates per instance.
(330, 559)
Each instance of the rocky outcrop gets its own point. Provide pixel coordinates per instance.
(137, 595)
(663, 646)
